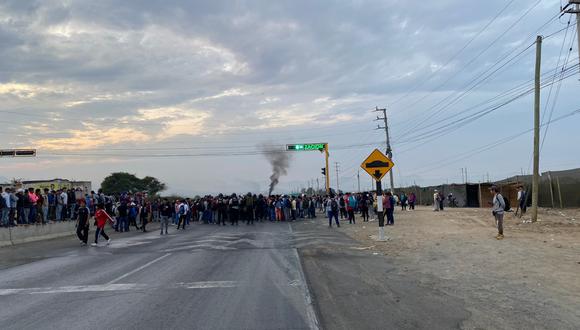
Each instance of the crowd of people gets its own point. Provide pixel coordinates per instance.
(24, 207)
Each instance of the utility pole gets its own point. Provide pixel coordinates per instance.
(317, 186)
(462, 176)
(576, 10)
(536, 175)
(336, 164)
(389, 152)
(358, 179)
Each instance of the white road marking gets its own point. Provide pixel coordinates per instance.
(310, 313)
(116, 287)
(139, 268)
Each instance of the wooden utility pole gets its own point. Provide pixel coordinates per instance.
(358, 179)
(536, 174)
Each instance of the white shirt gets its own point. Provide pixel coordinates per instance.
(64, 198)
(6, 197)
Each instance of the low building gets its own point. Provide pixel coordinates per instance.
(54, 184)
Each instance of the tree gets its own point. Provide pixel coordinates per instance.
(152, 186)
(120, 182)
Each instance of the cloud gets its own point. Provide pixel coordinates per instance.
(91, 137)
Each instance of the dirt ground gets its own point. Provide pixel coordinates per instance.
(529, 280)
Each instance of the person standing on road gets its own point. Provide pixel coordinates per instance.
(83, 222)
(4, 207)
(182, 212)
(497, 210)
(522, 200)
(165, 210)
(101, 218)
(332, 210)
(436, 201)
(144, 214)
(350, 207)
(412, 199)
(389, 204)
(234, 210)
(364, 207)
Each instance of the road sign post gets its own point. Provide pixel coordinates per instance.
(377, 165)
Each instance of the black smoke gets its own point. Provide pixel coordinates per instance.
(279, 160)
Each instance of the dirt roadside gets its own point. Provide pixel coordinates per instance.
(529, 280)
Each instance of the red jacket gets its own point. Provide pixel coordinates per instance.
(101, 217)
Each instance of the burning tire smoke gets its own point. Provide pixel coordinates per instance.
(280, 161)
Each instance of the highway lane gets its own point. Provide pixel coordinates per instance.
(206, 277)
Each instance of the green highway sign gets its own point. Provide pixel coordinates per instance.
(18, 153)
(306, 147)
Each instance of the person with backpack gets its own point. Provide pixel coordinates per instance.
(133, 213)
(101, 218)
(350, 207)
(234, 210)
(497, 210)
(182, 210)
(83, 222)
(332, 210)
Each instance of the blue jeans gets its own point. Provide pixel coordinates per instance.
(5, 212)
(390, 216)
(32, 215)
(122, 224)
(58, 212)
(24, 215)
(45, 214)
(332, 214)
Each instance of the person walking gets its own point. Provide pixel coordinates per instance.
(83, 222)
(101, 218)
(497, 210)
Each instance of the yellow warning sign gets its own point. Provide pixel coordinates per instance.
(377, 164)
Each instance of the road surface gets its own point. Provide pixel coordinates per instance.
(267, 276)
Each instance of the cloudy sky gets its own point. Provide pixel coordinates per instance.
(187, 91)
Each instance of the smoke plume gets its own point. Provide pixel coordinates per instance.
(280, 161)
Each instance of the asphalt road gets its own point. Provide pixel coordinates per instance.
(266, 276)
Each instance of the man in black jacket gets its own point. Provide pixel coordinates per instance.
(83, 222)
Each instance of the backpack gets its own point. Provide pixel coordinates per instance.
(342, 203)
(333, 206)
(3, 203)
(506, 205)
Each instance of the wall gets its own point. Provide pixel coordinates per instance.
(23, 234)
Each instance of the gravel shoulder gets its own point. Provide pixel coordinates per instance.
(529, 280)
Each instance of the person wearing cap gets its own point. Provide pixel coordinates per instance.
(497, 210)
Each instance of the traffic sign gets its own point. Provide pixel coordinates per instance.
(377, 164)
(18, 153)
(306, 147)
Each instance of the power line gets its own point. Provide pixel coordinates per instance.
(456, 54)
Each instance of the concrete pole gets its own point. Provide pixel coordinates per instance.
(536, 174)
